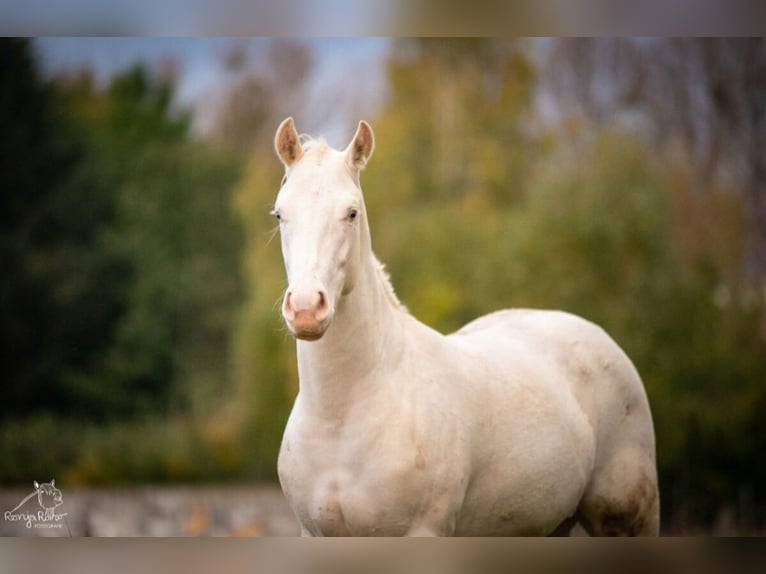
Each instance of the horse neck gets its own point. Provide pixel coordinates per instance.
(339, 368)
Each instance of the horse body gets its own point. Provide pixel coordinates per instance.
(517, 423)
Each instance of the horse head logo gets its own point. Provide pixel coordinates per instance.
(49, 497)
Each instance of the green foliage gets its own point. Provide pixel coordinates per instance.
(180, 449)
(457, 124)
(266, 372)
(53, 309)
(455, 151)
(139, 110)
(121, 250)
(173, 230)
(37, 446)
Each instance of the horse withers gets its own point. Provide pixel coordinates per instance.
(523, 422)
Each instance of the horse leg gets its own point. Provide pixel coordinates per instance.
(622, 498)
(565, 528)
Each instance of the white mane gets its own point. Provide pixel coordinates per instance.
(388, 288)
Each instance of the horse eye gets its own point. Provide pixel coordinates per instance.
(352, 214)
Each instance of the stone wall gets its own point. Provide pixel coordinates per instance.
(237, 510)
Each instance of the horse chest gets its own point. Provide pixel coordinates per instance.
(365, 488)
(321, 508)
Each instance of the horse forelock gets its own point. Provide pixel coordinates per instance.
(314, 151)
(316, 148)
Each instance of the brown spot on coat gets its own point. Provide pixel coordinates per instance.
(420, 461)
(628, 516)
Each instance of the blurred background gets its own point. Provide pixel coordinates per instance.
(143, 355)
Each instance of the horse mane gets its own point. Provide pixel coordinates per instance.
(388, 288)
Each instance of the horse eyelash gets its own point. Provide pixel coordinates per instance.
(272, 234)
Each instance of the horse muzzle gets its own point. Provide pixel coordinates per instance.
(307, 313)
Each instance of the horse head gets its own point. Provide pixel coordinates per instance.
(323, 225)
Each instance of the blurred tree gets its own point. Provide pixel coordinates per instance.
(259, 93)
(707, 94)
(120, 253)
(456, 144)
(173, 225)
(460, 111)
(60, 294)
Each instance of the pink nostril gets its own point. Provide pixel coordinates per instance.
(287, 308)
(322, 308)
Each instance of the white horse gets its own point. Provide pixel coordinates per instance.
(521, 423)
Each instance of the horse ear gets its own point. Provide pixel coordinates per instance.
(53, 482)
(37, 486)
(287, 142)
(360, 149)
